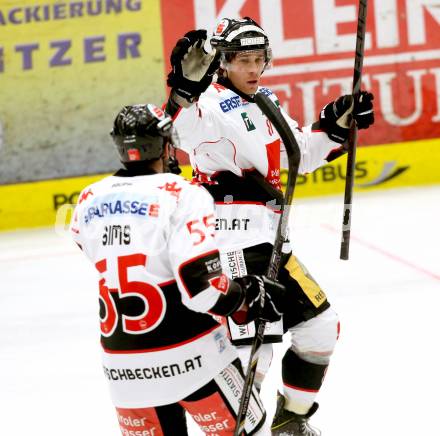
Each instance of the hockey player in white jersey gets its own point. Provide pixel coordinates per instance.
(237, 154)
(150, 235)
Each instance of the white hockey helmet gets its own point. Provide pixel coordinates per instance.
(232, 36)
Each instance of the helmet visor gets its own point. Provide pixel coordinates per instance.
(245, 60)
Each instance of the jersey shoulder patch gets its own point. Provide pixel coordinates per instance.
(178, 186)
(269, 93)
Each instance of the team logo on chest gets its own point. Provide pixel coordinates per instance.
(247, 122)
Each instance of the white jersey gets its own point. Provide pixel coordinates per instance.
(223, 132)
(149, 237)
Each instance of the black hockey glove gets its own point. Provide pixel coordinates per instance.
(336, 117)
(193, 68)
(264, 298)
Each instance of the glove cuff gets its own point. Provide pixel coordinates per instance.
(328, 123)
(187, 97)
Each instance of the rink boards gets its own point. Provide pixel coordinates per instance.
(377, 167)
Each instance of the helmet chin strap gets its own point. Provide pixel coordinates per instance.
(173, 165)
(170, 162)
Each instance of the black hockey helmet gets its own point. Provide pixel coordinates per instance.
(231, 36)
(140, 132)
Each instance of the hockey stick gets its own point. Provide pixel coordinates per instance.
(352, 139)
(293, 154)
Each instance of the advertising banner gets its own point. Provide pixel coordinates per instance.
(66, 68)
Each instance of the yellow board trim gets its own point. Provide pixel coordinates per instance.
(413, 163)
(378, 167)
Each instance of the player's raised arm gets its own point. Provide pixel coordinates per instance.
(194, 64)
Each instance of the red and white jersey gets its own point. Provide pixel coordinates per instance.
(223, 132)
(151, 239)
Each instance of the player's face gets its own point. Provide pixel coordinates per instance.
(245, 70)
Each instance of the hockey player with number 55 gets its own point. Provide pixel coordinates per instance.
(150, 235)
(237, 154)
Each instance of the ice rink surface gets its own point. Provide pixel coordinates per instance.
(384, 378)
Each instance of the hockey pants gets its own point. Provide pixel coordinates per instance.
(213, 407)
